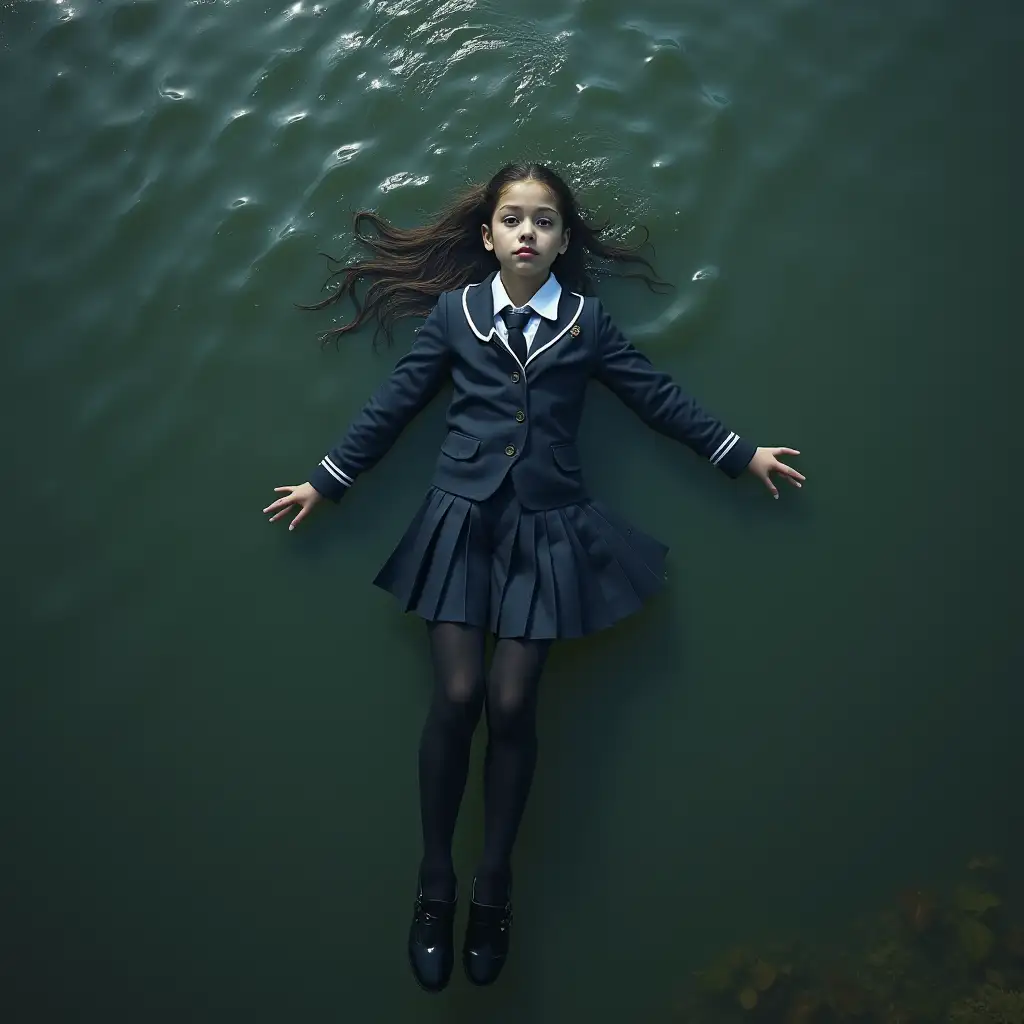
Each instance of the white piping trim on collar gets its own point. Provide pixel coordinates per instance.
(494, 331)
(469, 319)
(572, 320)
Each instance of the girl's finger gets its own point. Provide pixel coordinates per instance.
(290, 487)
(298, 519)
(283, 512)
(277, 504)
(785, 451)
(791, 472)
(771, 487)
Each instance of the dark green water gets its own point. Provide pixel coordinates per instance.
(210, 726)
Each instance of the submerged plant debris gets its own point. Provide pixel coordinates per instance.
(951, 957)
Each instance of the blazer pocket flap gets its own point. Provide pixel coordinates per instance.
(567, 457)
(460, 446)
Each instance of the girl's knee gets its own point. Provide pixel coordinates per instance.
(464, 687)
(458, 706)
(508, 715)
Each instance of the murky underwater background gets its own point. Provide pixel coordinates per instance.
(210, 726)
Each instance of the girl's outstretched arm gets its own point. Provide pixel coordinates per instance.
(416, 378)
(660, 402)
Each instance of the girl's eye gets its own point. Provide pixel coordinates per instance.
(508, 220)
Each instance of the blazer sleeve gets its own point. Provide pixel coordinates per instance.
(656, 398)
(415, 380)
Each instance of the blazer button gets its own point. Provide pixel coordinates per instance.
(510, 450)
(515, 377)
(520, 416)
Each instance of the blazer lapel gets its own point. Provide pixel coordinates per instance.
(478, 307)
(570, 305)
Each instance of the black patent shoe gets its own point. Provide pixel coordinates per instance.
(487, 936)
(431, 945)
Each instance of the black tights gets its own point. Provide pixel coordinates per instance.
(461, 690)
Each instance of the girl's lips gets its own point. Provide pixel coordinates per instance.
(526, 254)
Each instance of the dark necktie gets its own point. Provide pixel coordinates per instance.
(515, 322)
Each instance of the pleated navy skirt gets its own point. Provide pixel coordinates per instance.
(565, 572)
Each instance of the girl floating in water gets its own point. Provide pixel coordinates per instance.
(507, 539)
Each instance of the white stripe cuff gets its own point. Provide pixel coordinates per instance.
(342, 478)
(724, 448)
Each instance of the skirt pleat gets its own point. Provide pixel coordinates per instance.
(609, 585)
(542, 600)
(513, 611)
(502, 565)
(403, 574)
(640, 555)
(449, 546)
(470, 581)
(577, 564)
(562, 572)
(568, 599)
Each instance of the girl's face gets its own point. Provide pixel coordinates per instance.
(526, 232)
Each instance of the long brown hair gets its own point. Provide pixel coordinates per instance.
(411, 267)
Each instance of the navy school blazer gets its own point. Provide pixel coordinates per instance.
(507, 417)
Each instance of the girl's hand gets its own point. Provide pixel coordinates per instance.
(765, 462)
(304, 495)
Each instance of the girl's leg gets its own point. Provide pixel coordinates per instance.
(511, 756)
(457, 652)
